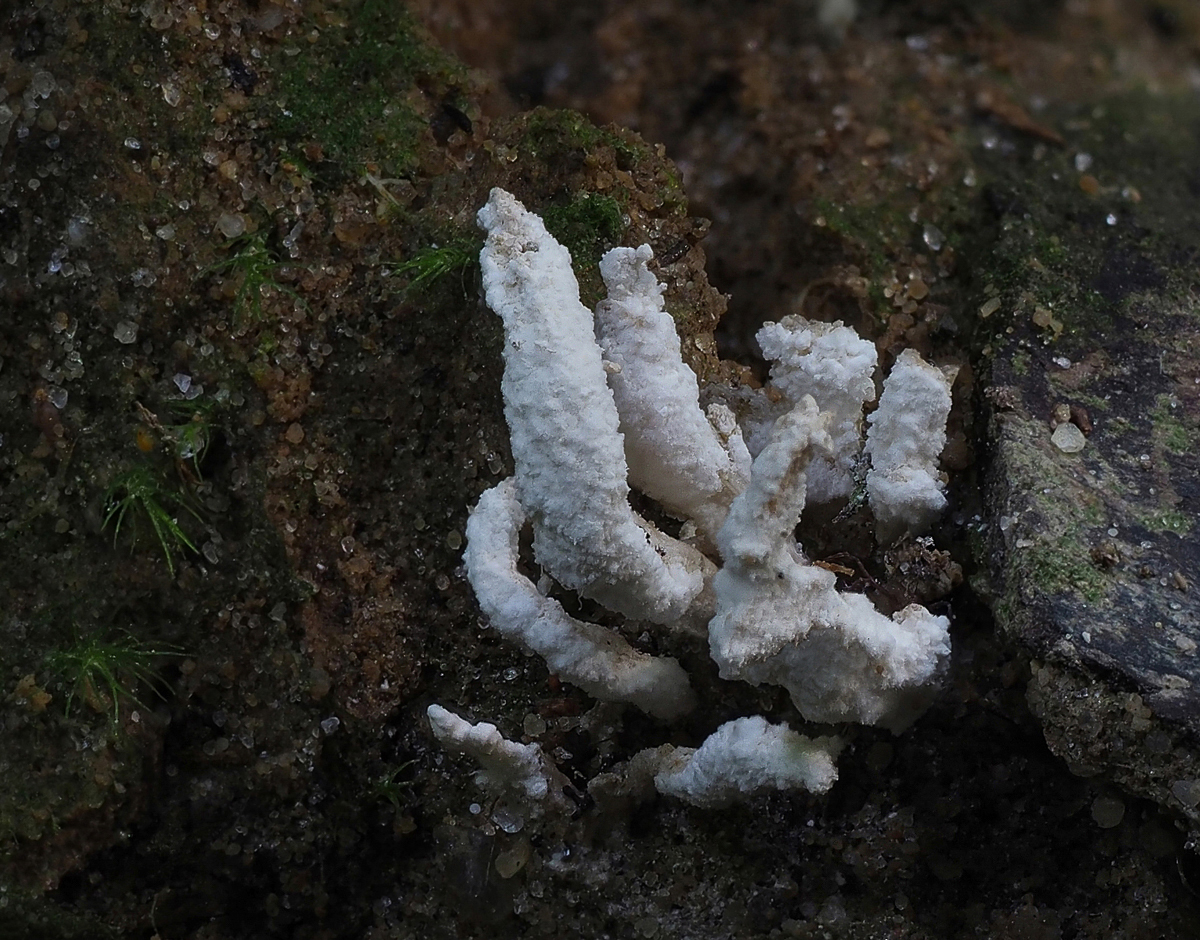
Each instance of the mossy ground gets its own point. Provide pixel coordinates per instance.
(350, 417)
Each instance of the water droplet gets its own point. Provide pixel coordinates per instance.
(132, 143)
(331, 724)
(933, 237)
(1083, 162)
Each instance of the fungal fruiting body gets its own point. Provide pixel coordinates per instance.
(595, 403)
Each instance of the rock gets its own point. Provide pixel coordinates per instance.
(1090, 548)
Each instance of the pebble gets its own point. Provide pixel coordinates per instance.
(1068, 438)
(1108, 812)
(510, 862)
(1187, 792)
(231, 224)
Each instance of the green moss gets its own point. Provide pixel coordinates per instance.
(1052, 550)
(1168, 520)
(1118, 426)
(140, 494)
(433, 266)
(114, 46)
(1092, 512)
(103, 671)
(1170, 432)
(874, 229)
(565, 141)
(1021, 362)
(589, 225)
(349, 92)
(1032, 268)
(553, 135)
(267, 343)
(1064, 565)
(1096, 404)
(194, 423)
(254, 269)
(48, 781)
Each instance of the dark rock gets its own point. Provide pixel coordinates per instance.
(1093, 553)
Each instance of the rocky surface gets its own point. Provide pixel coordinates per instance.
(1092, 337)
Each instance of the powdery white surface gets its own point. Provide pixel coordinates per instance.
(675, 454)
(836, 367)
(568, 450)
(777, 618)
(585, 654)
(783, 622)
(746, 756)
(906, 436)
(758, 529)
(508, 768)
